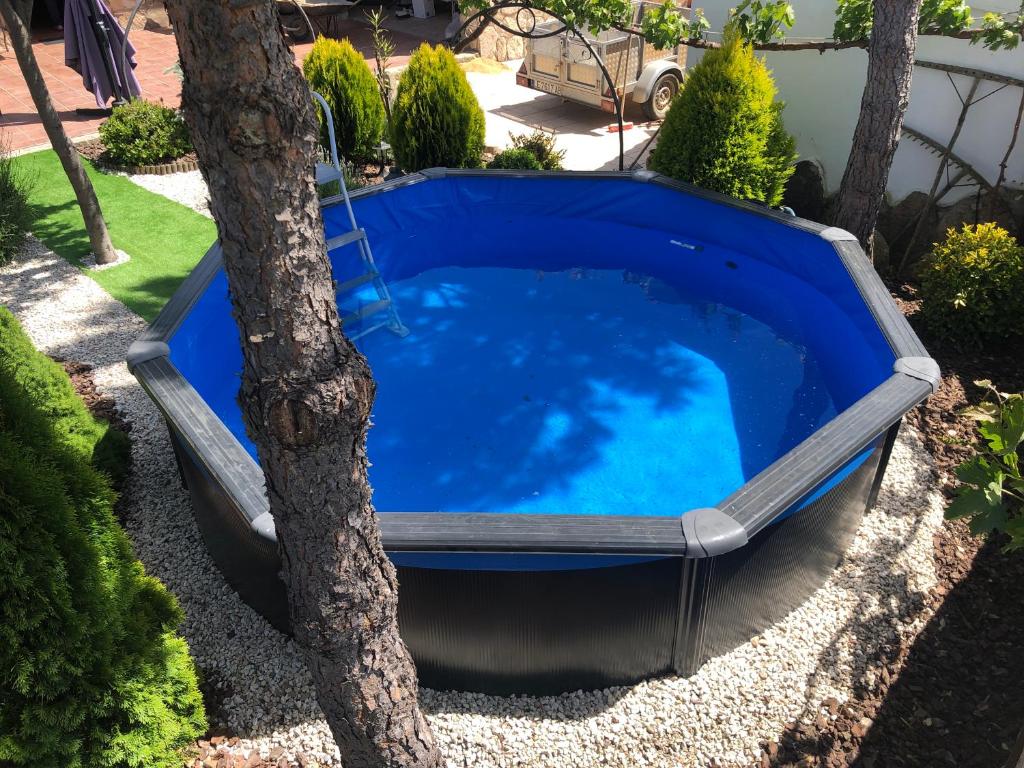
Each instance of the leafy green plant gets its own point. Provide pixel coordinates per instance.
(383, 50)
(937, 17)
(972, 286)
(724, 130)
(145, 133)
(665, 26)
(542, 146)
(338, 72)
(92, 672)
(761, 21)
(436, 120)
(516, 159)
(15, 212)
(992, 490)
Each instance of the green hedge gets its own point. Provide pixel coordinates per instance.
(145, 133)
(516, 159)
(92, 672)
(724, 129)
(436, 120)
(339, 73)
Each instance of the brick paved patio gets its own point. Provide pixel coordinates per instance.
(157, 51)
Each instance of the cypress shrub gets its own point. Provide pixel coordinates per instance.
(338, 72)
(15, 214)
(436, 120)
(724, 130)
(91, 671)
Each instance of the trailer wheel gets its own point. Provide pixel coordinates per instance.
(294, 23)
(665, 89)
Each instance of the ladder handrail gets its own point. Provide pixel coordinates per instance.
(329, 117)
(394, 323)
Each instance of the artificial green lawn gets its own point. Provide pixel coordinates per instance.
(164, 239)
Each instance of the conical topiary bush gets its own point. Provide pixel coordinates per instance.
(724, 130)
(436, 120)
(338, 72)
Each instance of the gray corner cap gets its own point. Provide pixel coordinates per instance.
(142, 350)
(709, 532)
(923, 368)
(434, 173)
(835, 234)
(263, 526)
(644, 175)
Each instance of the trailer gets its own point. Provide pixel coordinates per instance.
(563, 65)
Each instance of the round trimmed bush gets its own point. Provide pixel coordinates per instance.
(338, 72)
(724, 130)
(516, 159)
(15, 214)
(972, 286)
(436, 120)
(145, 133)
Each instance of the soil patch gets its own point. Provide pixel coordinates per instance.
(94, 151)
(954, 696)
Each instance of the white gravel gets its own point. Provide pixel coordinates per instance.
(187, 188)
(717, 717)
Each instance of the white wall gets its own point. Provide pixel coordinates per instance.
(822, 92)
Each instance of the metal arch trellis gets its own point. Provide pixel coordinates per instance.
(947, 156)
(526, 11)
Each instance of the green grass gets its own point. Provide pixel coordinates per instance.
(164, 239)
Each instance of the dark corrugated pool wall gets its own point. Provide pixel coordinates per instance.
(504, 632)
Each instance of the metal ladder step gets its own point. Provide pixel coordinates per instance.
(357, 235)
(371, 329)
(342, 240)
(365, 311)
(355, 282)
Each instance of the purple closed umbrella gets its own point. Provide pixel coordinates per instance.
(92, 47)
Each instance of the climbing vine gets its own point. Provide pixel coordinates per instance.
(765, 22)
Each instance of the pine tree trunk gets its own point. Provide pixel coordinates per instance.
(15, 14)
(883, 104)
(306, 391)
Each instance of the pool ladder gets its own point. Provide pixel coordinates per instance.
(384, 305)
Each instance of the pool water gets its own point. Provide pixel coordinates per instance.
(598, 392)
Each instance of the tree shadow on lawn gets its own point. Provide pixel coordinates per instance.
(145, 296)
(48, 224)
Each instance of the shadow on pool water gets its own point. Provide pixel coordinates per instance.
(576, 392)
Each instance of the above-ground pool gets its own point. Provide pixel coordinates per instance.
(632, 424)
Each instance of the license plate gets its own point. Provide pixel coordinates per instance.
(547, 87)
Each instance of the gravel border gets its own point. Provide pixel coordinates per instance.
(187, 188)
(718, 717)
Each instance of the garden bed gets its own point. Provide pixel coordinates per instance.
(94, 151)
(953, 697)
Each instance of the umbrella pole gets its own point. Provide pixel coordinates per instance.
(124, 40)
(99, 28)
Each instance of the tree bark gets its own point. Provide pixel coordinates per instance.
(306, 391)
(882, 107)
(15, 14)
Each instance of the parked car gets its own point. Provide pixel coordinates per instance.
(563, 65)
